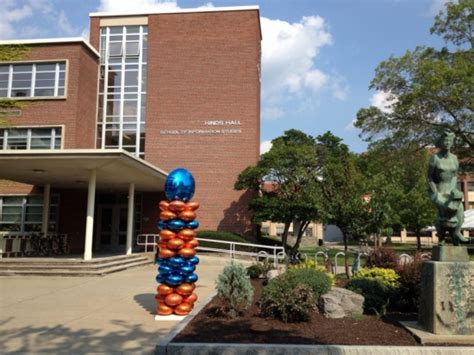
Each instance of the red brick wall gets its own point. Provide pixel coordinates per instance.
(204, 66)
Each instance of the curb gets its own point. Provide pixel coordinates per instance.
(162, 346)
(277, 349)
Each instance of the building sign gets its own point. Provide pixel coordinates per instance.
(211, 127)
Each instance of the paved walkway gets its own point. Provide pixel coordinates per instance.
(109, 314)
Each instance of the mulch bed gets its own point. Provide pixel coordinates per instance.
(211, 326)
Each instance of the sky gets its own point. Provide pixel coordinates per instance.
(318, 56)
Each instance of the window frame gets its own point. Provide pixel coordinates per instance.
(29, 136)
(32, 88)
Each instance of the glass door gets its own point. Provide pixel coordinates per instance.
(111, 227)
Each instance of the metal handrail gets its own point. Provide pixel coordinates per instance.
(274, 251)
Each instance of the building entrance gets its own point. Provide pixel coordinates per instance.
(111, 227)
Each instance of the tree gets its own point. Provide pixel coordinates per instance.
(430, 89)
(285, 178)
(343, 188)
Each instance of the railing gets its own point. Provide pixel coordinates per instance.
(231, 248)
(33, 244)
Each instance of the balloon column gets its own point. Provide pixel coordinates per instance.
(177, 258)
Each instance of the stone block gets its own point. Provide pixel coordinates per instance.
(340, 303)
(450, 253)
(447, 298)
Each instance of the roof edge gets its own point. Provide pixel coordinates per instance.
(177, 11)
(51, 40)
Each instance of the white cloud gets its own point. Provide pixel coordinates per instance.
(384, 101)
(436, 6)
(350, 126)
(265, 146)
(271, 113)
(66, 28)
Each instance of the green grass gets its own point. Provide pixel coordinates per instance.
(310, 252)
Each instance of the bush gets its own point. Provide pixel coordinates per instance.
(284, 300)
(387, 277)
(410, 283)
(384, 257)
(256, 270)
(311, 264)
(377, 295)
(234, 288)
(320, 282)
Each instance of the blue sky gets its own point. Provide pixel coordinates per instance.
(318, 56)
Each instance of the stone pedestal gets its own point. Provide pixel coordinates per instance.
(447, 295)
(450, 253)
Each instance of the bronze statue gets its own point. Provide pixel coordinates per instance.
(443, 191)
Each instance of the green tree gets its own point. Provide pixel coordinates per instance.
(343, 188)
(431, 89)
(285, 178)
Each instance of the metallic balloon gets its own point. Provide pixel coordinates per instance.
(186, 216)
(160, 278)
(162, 225)
(167, 215)
(175, 244)
(166, 235)
(176, 224)
(186, 234)
(177, 206)
(187, 269)
(192, 206)
(164, 310)
(165, 269)
(192, 224)
(183, 309)
(173, 299)
(164, 205)
(187, 252)
(185, 289)
(180, 185)
(176, 261)
(194, 260)
(191, 278)
(174, 279)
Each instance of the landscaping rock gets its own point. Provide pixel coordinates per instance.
(340, 303)
(274, 273)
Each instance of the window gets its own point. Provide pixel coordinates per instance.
(25, 213)
(308, 232)
(30, 138)
(470, 186)
(32, 80)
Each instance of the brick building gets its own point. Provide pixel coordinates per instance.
(103, 122)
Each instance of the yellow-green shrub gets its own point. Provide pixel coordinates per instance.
(387, 277)
(311, 264)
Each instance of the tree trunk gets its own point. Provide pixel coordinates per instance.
(418, 239)
(346, 264)
(258, 231)
(301, 230)
(284, 237)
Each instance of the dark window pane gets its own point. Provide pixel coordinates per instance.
(45, 67)
(60, 92)
(3, 93)
(115, 29)
(4, 68)
(112, 138)
(44, 92)
(113, 108)
(40, 143)
(115, 49)
(44, 83)
(21, 93)
(44, 76)
(132, 48)
(133, 29)
(131, 78)
(22, 68)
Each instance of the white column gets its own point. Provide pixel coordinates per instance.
(90, 215)
(46, 203)
(131, 211)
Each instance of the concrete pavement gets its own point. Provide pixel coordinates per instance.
(108, 314)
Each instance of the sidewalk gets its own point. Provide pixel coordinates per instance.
(113, 313)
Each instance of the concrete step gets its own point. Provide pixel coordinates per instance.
(74, 270)
(66, 261)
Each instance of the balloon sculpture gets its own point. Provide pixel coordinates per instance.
(177, 258)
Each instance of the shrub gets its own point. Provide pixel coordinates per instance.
(320, 282)
(258, 269)
(388, 277)
(284, 300)
(410, 282)
(234, 288)
(384, 257)
(311, 264)
(377, 295)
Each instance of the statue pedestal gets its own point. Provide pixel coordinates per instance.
(450, 253)
(447, 295)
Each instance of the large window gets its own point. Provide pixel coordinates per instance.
(122, 89)
(30, 138)
(32, 80)
(25, 213)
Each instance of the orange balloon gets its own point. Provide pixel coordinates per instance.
(162, 245)
(164, 310)
(173, 299)
(183, 309)
(187, 252)
(191, 298)
(177, 206)
(164, 205)
(164, 290)
(166, 253)
(185, 289)
(167, 215)
(175, 244)
(187, 216)
(166, 235)
(192, 206)
(187, 234)
(193, 243)
(159, 299)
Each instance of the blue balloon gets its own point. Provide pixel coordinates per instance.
(174, 279)
(193, 260)
(160, 278)
(187, 269)
(192, 224)
(165, 269)
(176, 224)
(180, 185)
(162, 225)
(191, 278)
(176, 261)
